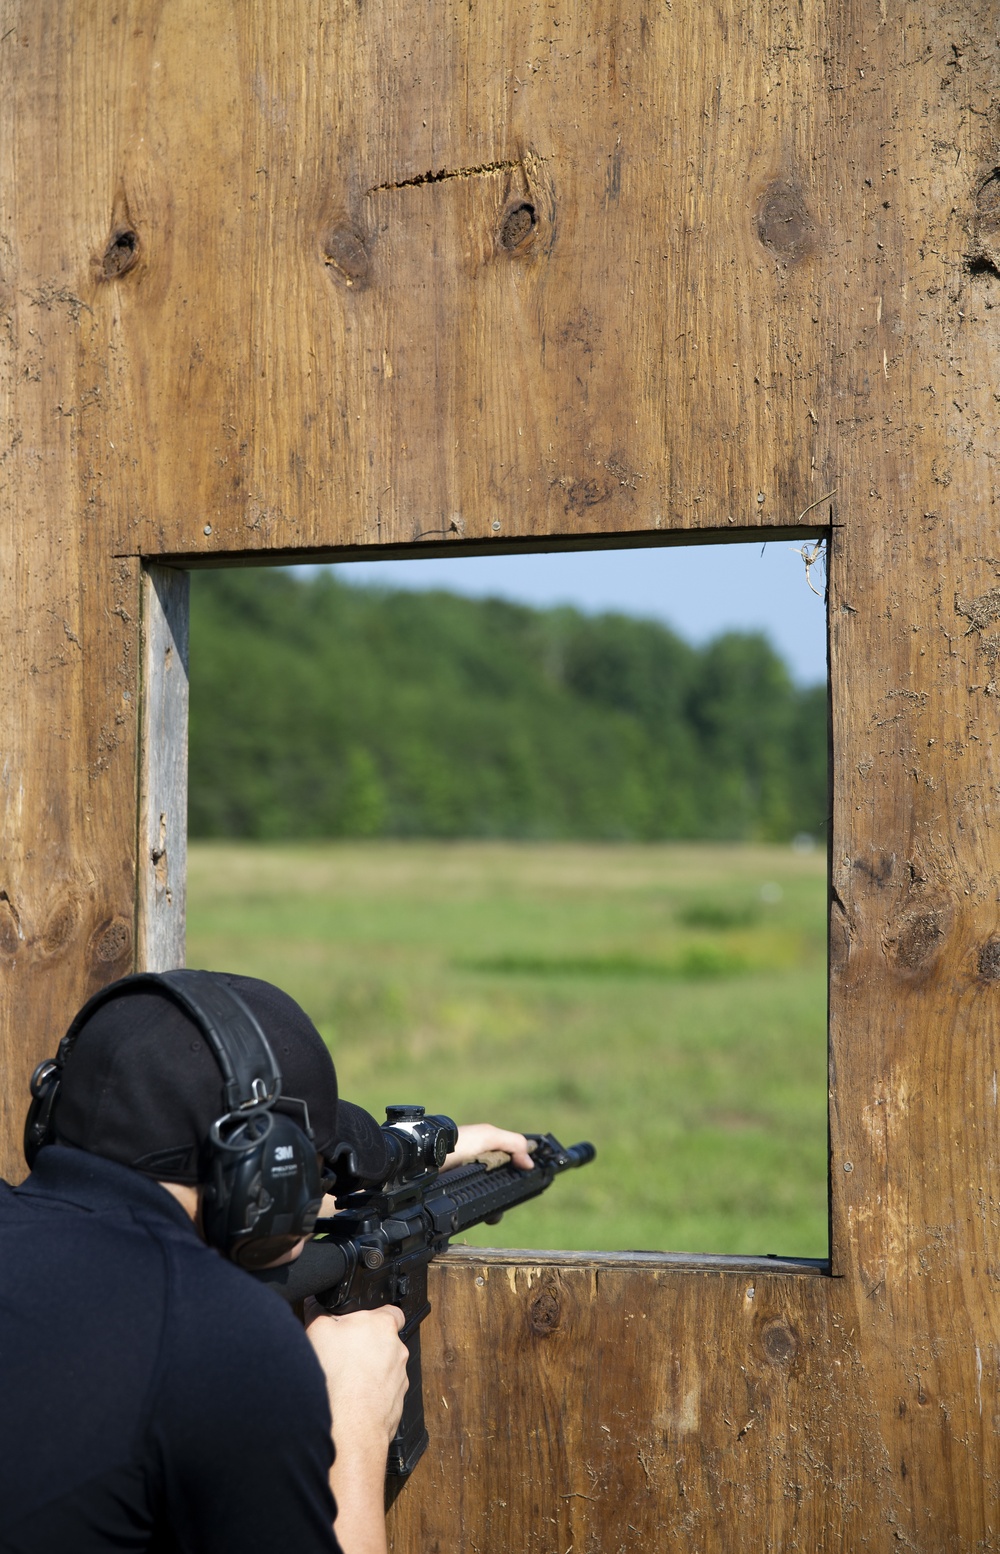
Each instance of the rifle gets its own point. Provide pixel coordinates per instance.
(375, 1250)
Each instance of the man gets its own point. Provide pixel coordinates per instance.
(155, 1396)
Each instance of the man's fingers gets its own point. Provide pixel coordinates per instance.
(376, 1314)
(479, 1138)
(516, 1145)
(362, 1320)
(396, 1315)
(364, 1360)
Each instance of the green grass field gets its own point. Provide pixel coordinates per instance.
(666, 1002)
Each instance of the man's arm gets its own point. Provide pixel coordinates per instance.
(364, 1362)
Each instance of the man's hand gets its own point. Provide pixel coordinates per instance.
(364, 1361)
(482, 1138)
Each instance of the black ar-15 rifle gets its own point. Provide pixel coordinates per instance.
(375, 1250)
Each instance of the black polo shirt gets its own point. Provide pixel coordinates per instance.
(152, 1395)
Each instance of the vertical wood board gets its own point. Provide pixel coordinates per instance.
(70, 606)
(163, 766)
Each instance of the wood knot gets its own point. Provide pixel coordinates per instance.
(59, 928)
(121, 254)
(784, 224)
(989, 961)
(545, 1310)
(346, 257)
(10, 925)
(917, 939)
(517, 226)
(988, 201)
(779, 1341)
(111, 941)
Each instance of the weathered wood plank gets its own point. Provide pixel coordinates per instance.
(483, 281)
(163, 765)
(236, 320)
(69, 621)
(645, 1262)
(667, 1409)
(644, 1410)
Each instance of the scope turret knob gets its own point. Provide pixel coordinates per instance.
(442, 1147)
(403, 1113)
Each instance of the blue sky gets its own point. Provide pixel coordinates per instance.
(699, 590)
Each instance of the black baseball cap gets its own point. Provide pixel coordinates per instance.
(142, 1086)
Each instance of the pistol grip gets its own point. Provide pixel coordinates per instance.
(410, 1441)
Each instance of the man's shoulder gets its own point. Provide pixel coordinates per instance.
(240, 1382)
(225, 1299)
(229, 1332)
(125, 1246)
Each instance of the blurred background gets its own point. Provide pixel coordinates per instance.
(541, 839)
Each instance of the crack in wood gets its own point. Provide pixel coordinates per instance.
(484, 169)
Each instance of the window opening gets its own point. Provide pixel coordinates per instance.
(527, 860)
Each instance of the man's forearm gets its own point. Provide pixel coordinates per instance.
(364, 1362)
(357, 1479)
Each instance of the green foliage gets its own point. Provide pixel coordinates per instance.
(323, 710)
(694, 962)
(718, 914)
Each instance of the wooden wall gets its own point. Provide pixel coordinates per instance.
(314, 277)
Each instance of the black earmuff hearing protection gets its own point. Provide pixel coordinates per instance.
(259, 1172)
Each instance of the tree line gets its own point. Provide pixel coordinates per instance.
(321, 709)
